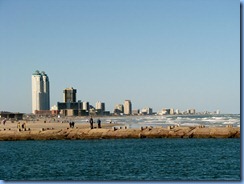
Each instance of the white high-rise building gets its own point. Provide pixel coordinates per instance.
(177, 111)
(127, 107)
(85, 106)
(40, 91)
(147, 111)
(100, 106)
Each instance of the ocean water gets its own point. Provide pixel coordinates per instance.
(182, 120)
(123, 159)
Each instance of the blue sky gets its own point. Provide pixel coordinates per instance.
(158, 53)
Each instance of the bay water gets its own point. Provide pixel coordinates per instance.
(121, 159)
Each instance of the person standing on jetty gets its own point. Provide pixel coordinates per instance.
(18, 126)
(91, 122)
(4, 121)
(23, 126)
(99, 123)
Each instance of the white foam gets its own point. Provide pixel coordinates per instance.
(174, 120)
(228, 123)
(190, 124)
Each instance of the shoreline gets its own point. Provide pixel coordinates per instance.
(40, 130)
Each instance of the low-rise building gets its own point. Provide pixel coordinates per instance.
(11, 115)
(71, 109)
(192, 111)
(119, 109)
(165, 111)
(136, 112)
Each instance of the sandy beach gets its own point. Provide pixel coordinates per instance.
(51, 129)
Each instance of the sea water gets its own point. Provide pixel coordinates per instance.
(209, 120)
(121, 159)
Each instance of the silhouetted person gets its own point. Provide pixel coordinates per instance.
(99, 123)
(91, 122)
(23, 126)
(72, 124)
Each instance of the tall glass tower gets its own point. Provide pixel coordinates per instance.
(40, 91)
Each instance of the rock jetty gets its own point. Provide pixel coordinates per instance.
(114, 132)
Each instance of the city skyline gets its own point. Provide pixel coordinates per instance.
(70, 106)
(173, 54)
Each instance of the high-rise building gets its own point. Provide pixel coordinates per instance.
(146, 111)
(71, 107)
(177, 111)
(100, 106)
(127, 107)
(40, 91)
(85, 106)
(70, 95)
(192, 111)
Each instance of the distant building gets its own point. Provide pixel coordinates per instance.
(55, 107)
(146, 111)
(106, 113)
(171, 112)
(100, 107)
(119, 109)
(40, 91)
(70, 107)
(218, 112)
(192, 111)
(85, 106)
(177, 111)
(92, 110)
(136, 112)
(70, 95)
(165, 111)
(127, 107)
(11, 115)
(54, 110)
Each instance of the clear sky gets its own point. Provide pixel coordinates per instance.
(158, 53)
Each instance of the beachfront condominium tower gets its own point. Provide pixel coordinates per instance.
(85, 106)
(127, 107)
(40, 91)
(70, 95)
(100, 106)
